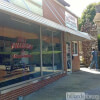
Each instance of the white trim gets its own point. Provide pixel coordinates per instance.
(53, 52)
(62, 35)
(66, 9)
(41, 59)
(47, 77)
(6, 7)
(71, 13)
(69, 23)
(75, 54)
(47, 4)
(39, 5)
(59, 4)
(70, 57)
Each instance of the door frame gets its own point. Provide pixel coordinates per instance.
(70, 55)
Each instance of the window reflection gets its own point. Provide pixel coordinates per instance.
(57, 51)
(20, 58)
(51, 51)
(34, 6)
(47, 51)
(19, 51)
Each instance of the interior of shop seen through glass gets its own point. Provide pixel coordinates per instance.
(26, 52)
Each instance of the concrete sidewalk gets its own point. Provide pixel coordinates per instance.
(85, 80)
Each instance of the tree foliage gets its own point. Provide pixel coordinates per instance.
(88, 13)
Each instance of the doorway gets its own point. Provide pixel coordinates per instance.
(69, 57)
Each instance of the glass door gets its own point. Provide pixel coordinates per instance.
(69, 57)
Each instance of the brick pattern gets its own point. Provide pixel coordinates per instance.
(64, 53)
(76, 61)
(76, 64)
(13, 95)
(47, 13)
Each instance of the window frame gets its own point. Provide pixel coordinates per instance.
(75, 53)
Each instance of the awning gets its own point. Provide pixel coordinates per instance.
(22, 13)
(71, 37)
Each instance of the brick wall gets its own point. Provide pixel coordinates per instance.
(76, 62)
(13, 95)
(47, 13)
(51, 14)
(64, 53)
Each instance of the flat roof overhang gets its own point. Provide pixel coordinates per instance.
(11, 9)
(64, 3)
(70, 37)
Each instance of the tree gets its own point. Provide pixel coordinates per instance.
(87, 25)
(88, 13)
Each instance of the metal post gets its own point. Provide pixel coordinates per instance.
(62, 51)
(53, 51)
(71, 55)
(99, 51)
(41, 51)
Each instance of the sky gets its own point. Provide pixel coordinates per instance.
(78, 6)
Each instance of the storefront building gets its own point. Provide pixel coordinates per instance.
(38, 45)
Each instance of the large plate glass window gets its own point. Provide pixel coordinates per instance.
(57, 50)
(51, 51)
(47, 51)
(75, 48)
(19, 50)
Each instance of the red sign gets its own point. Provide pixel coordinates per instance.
(21, 46)
(21, 56)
